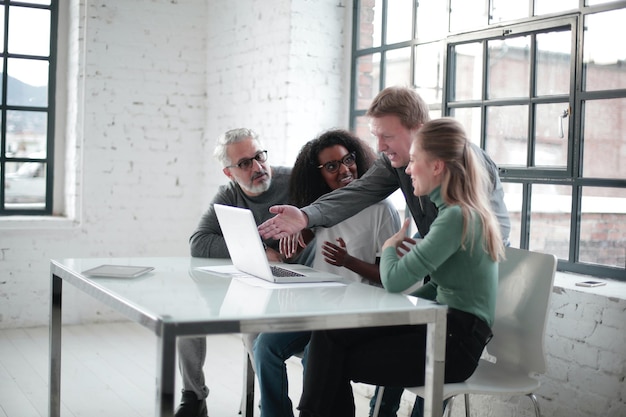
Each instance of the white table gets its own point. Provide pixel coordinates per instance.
(177, 300)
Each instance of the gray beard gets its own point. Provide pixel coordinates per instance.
(257, 189)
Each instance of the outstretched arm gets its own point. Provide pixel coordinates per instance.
(289, 220)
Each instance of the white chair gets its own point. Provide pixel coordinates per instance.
(524, 289)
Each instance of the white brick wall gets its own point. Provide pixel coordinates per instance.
(151, 85)
(280, 70)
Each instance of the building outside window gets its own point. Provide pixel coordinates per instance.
(540, 85)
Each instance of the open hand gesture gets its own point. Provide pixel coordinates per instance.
(289, 220)
(335, 254)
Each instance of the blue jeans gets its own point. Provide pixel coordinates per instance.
(271, 350)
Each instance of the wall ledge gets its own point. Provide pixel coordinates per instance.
(37, 223)
(567, 281)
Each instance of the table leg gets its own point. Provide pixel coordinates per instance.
(54, 386)
(247, 402)
(166, 368)
(435, 366)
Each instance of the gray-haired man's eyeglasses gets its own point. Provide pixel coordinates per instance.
(246, 163)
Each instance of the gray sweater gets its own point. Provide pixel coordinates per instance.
(207, 240)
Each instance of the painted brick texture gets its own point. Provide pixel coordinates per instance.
(151, 84)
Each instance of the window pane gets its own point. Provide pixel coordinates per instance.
(467, 67)
(467, 14)
(508, 61)
(25, 185)
(513, 198)
(603, 226)
(507, 134)
(594, 2)
(550, 219)
(551, 6)
(399, 21)
(553, 63)
(398, 67)
(367, 79)
(42, 2)
(26, 134)
(29, 31)
(503, 10)
(432, 19)
(1, 29)
(603, 61)
(28, 82)
(470, 119)
(604, 138)
(362, 130)
(370, 22)
(434, 114)
(25, 43)
(429, 71)
(551, 135)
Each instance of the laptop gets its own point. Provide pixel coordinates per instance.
(248, 254)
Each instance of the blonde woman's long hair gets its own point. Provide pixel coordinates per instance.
(465, 179)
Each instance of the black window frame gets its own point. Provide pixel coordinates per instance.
(49, 110)
(572, 175)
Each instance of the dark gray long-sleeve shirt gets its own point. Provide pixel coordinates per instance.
(380, 181)
(207, 240)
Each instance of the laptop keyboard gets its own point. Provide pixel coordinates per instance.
(277, 271)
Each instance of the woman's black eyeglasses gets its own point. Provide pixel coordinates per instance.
(333, 166)
(246, 163)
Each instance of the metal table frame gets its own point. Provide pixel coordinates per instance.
(168, 327)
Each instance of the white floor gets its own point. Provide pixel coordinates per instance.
(109, 370)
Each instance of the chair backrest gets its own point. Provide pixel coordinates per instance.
(524, 289)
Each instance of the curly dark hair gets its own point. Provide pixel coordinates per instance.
(307, 184)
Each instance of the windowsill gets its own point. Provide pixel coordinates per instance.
(36, 223)
(613, 289)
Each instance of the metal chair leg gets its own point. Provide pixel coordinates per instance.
(535, 404)
(447, 411)
(379, 400)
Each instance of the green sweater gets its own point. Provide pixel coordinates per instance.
(464, 279)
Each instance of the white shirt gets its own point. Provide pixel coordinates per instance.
(364, 234)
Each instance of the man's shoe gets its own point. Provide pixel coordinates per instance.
(191, 406)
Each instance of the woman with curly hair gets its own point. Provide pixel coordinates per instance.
(331, 161)
(308, 182)
(350, 248)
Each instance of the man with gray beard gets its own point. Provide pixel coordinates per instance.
(254, 185)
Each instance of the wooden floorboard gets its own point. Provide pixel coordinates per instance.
(109, 370)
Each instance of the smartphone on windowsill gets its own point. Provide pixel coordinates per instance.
(590, 283)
